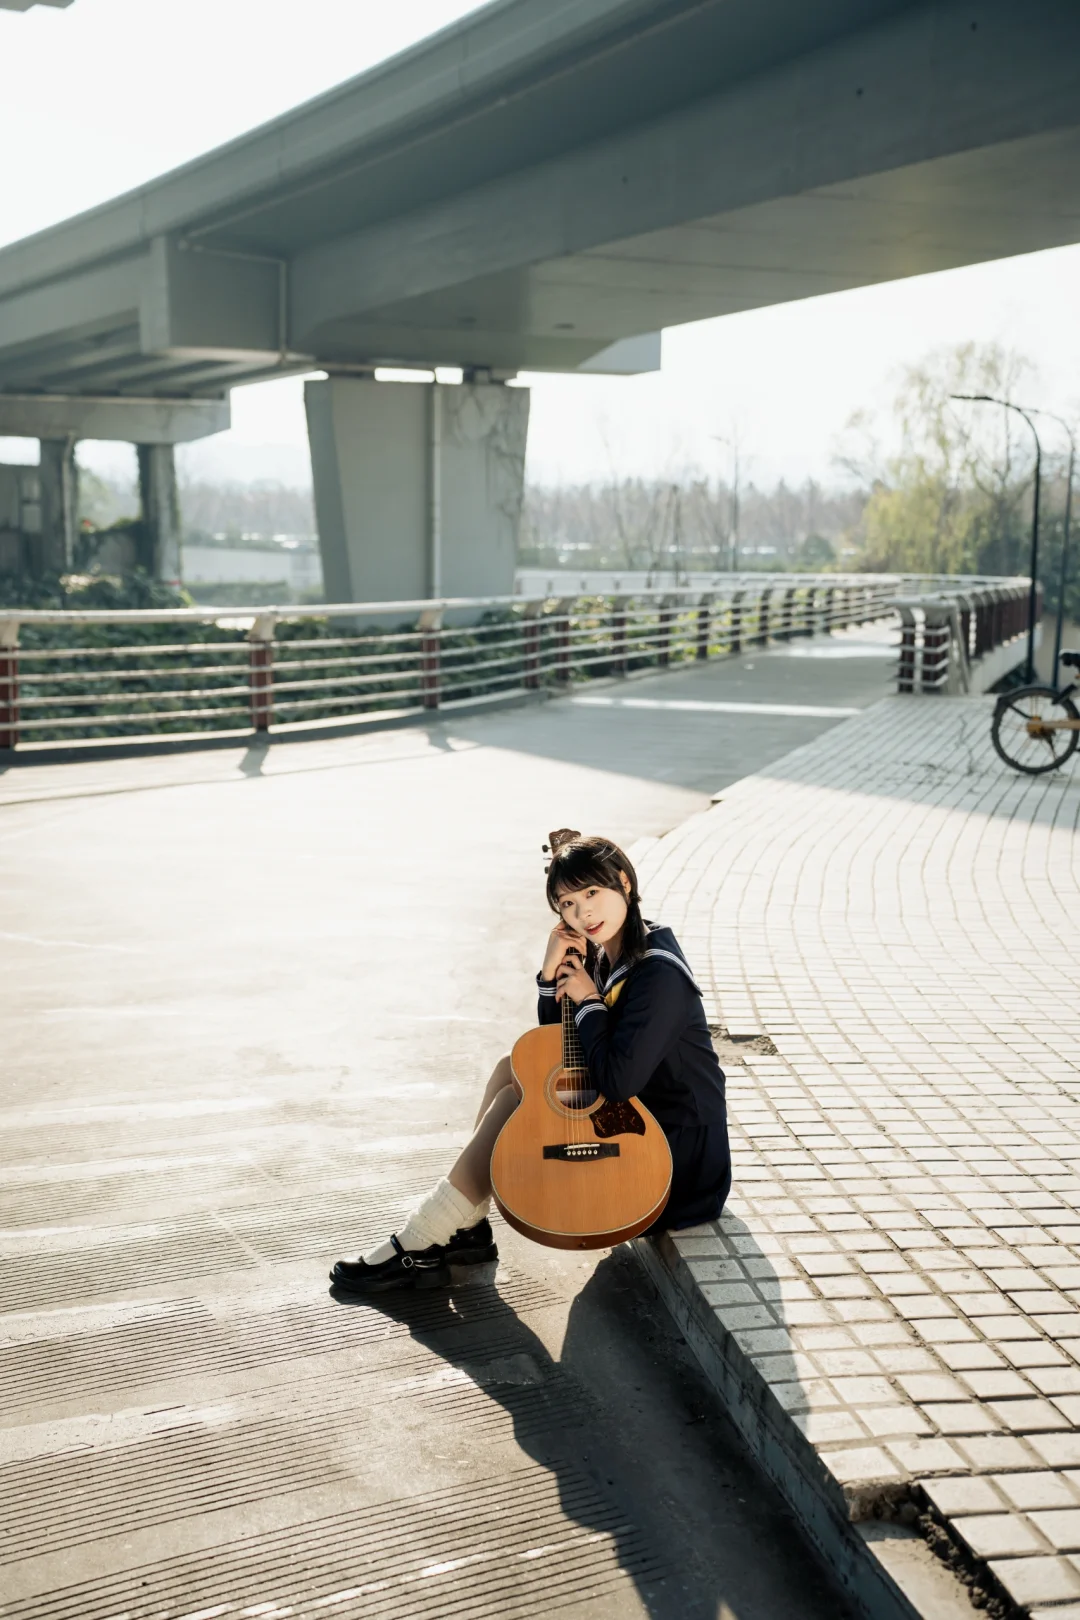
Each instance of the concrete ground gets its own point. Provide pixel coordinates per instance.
(249, 999)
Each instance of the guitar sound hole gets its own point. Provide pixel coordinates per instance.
(573, 1091)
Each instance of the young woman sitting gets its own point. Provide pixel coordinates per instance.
(641, 1024)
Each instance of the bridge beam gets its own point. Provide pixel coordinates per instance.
(418, 487)
(87, 416)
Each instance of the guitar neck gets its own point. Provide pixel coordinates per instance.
(573, 1054)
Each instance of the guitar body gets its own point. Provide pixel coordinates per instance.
(569, 1169)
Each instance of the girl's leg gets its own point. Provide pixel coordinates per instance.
(501, 1075)
(471, 1175)
(458, 1203)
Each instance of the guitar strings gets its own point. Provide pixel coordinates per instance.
(570, 1043)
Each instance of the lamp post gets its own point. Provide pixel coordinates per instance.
(733, 446)
(1033, 596)
(1059, 620)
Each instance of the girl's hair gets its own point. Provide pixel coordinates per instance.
(582, 863)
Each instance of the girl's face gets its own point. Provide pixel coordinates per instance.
(597, 913)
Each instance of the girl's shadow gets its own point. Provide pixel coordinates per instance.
(559, 1419)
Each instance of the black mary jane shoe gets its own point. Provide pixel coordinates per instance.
(472, 1246)
(406, 1268)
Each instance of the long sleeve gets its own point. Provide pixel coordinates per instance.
(547, 1008)
(624, 1051)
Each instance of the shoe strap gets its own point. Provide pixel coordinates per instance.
(411, 1262)
(403, 1254)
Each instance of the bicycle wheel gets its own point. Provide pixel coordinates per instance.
(1017, 732)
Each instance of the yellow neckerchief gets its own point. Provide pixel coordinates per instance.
(611, 996)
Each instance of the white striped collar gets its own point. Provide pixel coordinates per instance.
(621, 969)
(672, 956)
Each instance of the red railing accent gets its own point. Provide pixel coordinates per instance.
(261, 677)
(430, 668)
(9, 696)
(530, 636)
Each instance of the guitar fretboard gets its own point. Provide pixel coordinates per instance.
(573, 1054)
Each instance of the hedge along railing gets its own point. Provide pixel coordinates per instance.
(964, 638)
(100, 676)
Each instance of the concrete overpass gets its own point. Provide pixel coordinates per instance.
(542, 186)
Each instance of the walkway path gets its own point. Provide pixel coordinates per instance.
(248, 999)
(894, 916)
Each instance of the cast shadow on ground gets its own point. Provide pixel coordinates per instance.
(603, 726)
(626, 1405)
(254, 758)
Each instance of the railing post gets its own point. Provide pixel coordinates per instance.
(430, 627)
(905, 674)
(762, 635)
(966, 613)
(959, 670)
(618, 635)
(530, 634)
(937, 637)
(9, 683)
(666, 615)
(787, 615)
(261, 671)
(808, 610)
(563, 609)
(704, 623)
(735, 634)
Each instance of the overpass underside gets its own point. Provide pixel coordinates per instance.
(541, 187)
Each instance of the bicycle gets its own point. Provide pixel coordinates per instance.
(1037, 728)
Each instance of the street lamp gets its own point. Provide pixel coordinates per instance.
(1033, 596)
(1064, 574)
(733, 446)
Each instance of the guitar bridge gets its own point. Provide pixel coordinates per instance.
(572, 1151)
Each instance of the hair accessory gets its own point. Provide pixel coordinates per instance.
(556, 839)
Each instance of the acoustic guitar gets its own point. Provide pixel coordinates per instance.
(570, 1169)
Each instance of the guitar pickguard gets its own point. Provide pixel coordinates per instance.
(617, 1119)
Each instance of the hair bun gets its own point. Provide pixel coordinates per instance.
(556, 839)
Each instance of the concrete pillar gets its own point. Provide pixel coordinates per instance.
(418, 487)
(160, 503)
(59, 505)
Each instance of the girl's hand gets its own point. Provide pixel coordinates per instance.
(573, 981)
(561, 940)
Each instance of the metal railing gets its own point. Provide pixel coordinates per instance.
(964, 636)
(100, 676)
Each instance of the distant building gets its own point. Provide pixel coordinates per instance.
(290, 561)
(21, 546)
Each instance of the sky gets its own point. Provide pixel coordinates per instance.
(783, 382)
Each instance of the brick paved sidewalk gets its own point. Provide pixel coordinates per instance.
(894, 1291)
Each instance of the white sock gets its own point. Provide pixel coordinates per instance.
(434, 1220)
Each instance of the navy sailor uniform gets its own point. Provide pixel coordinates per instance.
(648, 1038)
